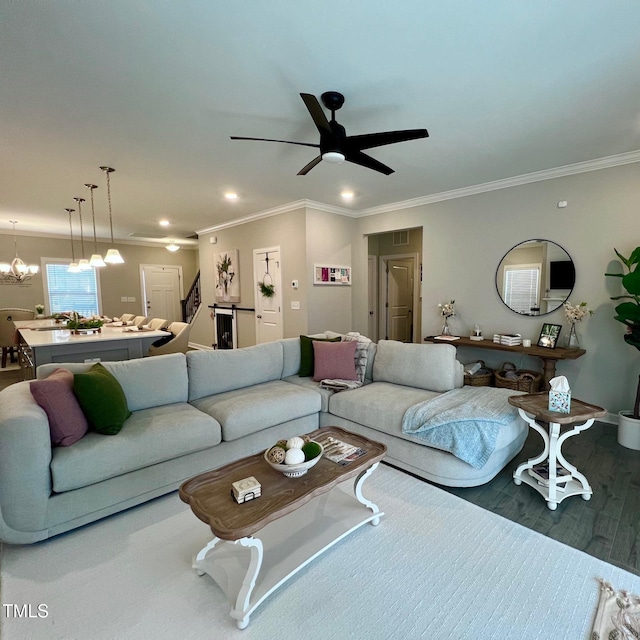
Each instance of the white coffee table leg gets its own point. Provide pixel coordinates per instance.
(202, 554)
(242, 606)
(357, 489)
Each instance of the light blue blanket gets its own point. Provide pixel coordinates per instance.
(464, 421)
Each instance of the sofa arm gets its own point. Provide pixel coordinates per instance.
(25, 456)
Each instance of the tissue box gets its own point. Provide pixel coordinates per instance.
(560, 401)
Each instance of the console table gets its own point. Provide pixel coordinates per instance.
(549, 357)
(560, 479)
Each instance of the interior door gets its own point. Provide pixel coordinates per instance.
(161, 288)
(372, 298)
(268, 319)
(400, 299)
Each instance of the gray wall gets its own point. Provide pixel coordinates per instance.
(465, 238)
(115, 281)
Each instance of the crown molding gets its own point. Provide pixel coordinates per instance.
(280, 209)
(527, 178)
(505, 183)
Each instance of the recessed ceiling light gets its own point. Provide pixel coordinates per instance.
(347, 195)
(164, 223)
(230, 195)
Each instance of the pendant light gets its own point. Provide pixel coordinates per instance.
(96, 259)
(113, 255)
(73, 267)
(17, 271)
(83, 263)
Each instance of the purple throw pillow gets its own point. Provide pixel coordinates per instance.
(67, 422)
(334, 360)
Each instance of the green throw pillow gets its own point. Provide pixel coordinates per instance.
(102, 400)
(306, 353)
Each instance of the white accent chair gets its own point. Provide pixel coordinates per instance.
(126, 317)
(157, 323)
(179, 343)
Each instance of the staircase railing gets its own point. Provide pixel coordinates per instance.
(192, 301)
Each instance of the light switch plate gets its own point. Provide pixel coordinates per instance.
(295, 304)
(123, 299)
(131, 299)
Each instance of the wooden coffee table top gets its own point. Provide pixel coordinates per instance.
(209, 494)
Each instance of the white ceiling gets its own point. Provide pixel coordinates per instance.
(154, 88)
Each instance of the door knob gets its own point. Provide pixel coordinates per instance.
(258, 316)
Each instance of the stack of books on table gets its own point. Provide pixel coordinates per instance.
(511, 339)
(541, 473)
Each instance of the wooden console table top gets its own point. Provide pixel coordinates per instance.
(549, 357)
(209, 494)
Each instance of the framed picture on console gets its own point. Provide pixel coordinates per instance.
(549, 335)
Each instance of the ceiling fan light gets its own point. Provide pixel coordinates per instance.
(172, 246)
(97, 261)
(113, 257)
(334, 157)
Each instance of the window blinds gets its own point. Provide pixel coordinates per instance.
(71, 291)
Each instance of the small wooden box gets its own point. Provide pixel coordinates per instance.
(246, 490)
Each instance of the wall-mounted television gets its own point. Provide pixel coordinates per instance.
(562, 274)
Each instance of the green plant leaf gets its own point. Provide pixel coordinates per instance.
(634, 258)
(631, 282)
(628, 312)
(622, 258)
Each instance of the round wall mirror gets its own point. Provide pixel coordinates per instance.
(535, 277)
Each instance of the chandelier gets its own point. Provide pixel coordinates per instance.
(17, 271)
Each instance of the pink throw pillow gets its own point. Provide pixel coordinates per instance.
(334, 360)
(67, 422)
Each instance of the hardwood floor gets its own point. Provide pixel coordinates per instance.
(607, 526)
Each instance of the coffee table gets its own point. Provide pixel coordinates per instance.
(298, 519)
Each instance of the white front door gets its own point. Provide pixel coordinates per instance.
(400, 299)
(267, 270)
(162, 291)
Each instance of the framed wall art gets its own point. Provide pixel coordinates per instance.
(227, 276)
(549, 335)
(331, 274)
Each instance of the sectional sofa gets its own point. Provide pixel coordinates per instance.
(194, 412)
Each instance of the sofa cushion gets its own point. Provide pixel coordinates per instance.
(307, 353)
(309, 383)
(146, 382)
(212, 372)
(150, 436)
(431, 366)
(379, 405)
(102, 399)
(334, 361)
(152, 382)
(244, 411)
(67, 422)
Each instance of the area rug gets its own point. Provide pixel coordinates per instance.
(436, 568)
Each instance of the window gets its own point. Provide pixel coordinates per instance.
(70, 291)
(521, 287)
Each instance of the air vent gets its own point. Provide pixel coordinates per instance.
(400, 238)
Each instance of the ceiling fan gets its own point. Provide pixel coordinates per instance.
(335, 145)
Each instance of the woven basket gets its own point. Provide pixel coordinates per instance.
(484, 379)
(528, 381)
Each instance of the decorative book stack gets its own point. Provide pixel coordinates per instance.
(511, 339)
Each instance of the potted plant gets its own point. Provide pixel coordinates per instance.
(628, 313)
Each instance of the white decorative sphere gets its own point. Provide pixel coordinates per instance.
(295, 443)
(294, 456)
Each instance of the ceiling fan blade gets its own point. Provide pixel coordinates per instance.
(370, 140)
(318, 115)
(308, 167)
(302, 144)
(357, 157)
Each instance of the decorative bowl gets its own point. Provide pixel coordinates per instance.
(295, 470)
